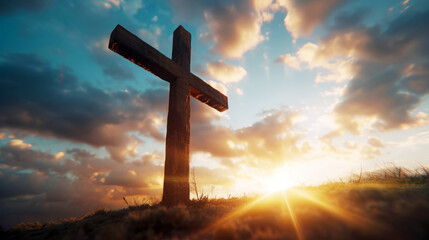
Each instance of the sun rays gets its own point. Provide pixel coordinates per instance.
(354, 219)
(235, 214)
(287, 205)
(292, 215)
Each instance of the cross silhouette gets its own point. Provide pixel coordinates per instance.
(183, 84)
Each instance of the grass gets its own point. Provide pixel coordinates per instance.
(389, 204)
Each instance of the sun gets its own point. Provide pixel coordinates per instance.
(278, 182)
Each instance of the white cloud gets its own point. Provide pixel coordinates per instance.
(235, 27)
(309, 57)
(225, 72)
(219, 86)
(303, 16)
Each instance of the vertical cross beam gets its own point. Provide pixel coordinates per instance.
(183, 84)
(176, 169)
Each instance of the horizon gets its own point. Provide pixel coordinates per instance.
(317, 91)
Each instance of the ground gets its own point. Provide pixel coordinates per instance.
(363, 210)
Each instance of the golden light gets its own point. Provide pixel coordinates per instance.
(293, 201)
(59, 155)
(321, 201)
(278, 182)
(292, 216)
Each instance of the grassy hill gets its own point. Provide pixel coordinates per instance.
(369, 206)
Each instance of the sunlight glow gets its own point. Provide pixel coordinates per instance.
(292, 216)
(353, 218)
(297, 196)
(280, 181)
(235, 214)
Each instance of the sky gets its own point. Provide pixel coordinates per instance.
(317, 91)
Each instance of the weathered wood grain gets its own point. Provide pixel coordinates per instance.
(183, 84)
(137, 51)
(176, 168)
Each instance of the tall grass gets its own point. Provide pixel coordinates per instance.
(392, 174)
(392, 203)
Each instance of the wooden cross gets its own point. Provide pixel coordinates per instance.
(183, 83)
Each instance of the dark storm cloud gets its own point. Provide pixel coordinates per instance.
(375, 91)
(126, 178)
(27, 158)
(23, 183)
(79, 164)
(36, 186)
(404, 39)
(389, 71)
(39, 99)
(9, 6)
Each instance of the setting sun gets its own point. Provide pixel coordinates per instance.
(279, 181)
(214, 114)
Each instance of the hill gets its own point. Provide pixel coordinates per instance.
(373, 208)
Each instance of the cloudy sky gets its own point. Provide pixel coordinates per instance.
(317, 89)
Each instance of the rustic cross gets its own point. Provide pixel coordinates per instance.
(183, 83)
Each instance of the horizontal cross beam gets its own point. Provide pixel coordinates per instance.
(137, 51)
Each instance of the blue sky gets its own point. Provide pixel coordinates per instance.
(316, 90)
